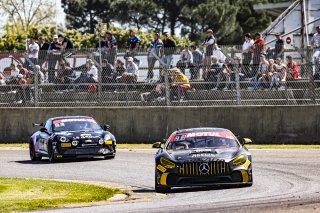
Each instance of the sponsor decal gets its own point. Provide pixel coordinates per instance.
(203, 155)
(182, 137)
(161, 168)
(74, 120)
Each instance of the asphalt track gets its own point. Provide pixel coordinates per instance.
(284, 181)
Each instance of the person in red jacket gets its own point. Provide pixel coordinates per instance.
(293, 69)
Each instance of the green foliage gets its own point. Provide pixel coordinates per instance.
(14, 39)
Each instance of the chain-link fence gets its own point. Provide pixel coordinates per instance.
(109, 78)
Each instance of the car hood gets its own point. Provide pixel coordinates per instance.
(201, 154)
(81, 134)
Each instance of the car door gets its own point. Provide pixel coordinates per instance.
(44, 137)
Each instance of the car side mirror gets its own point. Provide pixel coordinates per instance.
(156, 145)
(106, 127)
(35, 124)
(247, 141)
(43, 129)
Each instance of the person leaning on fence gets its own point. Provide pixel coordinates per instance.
(247, 53)
(108, 73)
(178, 90)
(89, 75)
(53, 57)
(111, 43)
(279, 47)
(20, 89)
(292, 69)
(169, 48)
(32, 51)
(186, 60)
(209, 45)
(315, 43)
(43, 52)
(258, 48)
(131, 73)
(66, 47)
(155, 49)
(197, 63)
(22, 70)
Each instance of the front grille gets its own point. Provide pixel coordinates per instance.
(204, 168)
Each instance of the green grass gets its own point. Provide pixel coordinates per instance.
(17, 194)
(149, 146)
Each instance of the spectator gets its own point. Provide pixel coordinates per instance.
(315, 43)
(131, 73)
(90, 75)
(14, 71)
(169, 47)
(197, 63)
(120, 68)
(2, 79)
(134, 44)
(155, 48)
(186, 59)
(108, 75)
(101, 42)
(279, 47)
(22, 70)
(279, 76)
(111, 43)
(21, 92)
(65, 74)
(271, 71)
(227, 73)
(33, 51)
(53, 58)
(43, 53)
(66, 47)
(215, 71)
(209, 45)
(292, 69)
(261, 73)
(247, 53)
(177, 89)
(258, 48)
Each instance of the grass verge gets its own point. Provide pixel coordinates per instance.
(149, 146)
(18, 194)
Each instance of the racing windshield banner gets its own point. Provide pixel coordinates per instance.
(202, 134)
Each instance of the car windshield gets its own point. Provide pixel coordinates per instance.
(79, 124)
(183, 142)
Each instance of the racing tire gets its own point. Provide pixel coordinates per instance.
(32, 152)
(108, 157)
(52, 156)
(160, 189)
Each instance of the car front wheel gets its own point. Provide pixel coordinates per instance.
(51, 153)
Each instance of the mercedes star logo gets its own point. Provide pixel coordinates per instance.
(204, 168)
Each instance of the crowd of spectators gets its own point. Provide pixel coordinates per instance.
(262, 68)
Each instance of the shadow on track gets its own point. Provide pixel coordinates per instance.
(65, 160)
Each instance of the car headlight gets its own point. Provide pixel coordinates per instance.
(75, 143)
(238, 161)
(63, 138)
(167, 163)
(101, 141)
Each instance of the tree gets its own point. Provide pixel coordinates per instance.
(83, 15)
(28, 13)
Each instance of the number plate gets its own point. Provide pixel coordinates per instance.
(65, 144)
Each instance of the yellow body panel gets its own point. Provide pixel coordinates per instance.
(163, 179)
(245, 176)
(161, 168)
(247, 164)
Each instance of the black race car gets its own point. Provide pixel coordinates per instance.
(202, 157)
(71, 136)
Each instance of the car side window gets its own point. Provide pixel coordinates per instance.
(48, 125)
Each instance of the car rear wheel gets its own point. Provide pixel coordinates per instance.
(32, 152)
(51, 153)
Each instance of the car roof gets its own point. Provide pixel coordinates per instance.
(69, 117)
(202, 129)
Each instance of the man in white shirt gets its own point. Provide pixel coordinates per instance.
(247, 52)
(33, 51)
(93, 71)
(315, 42)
